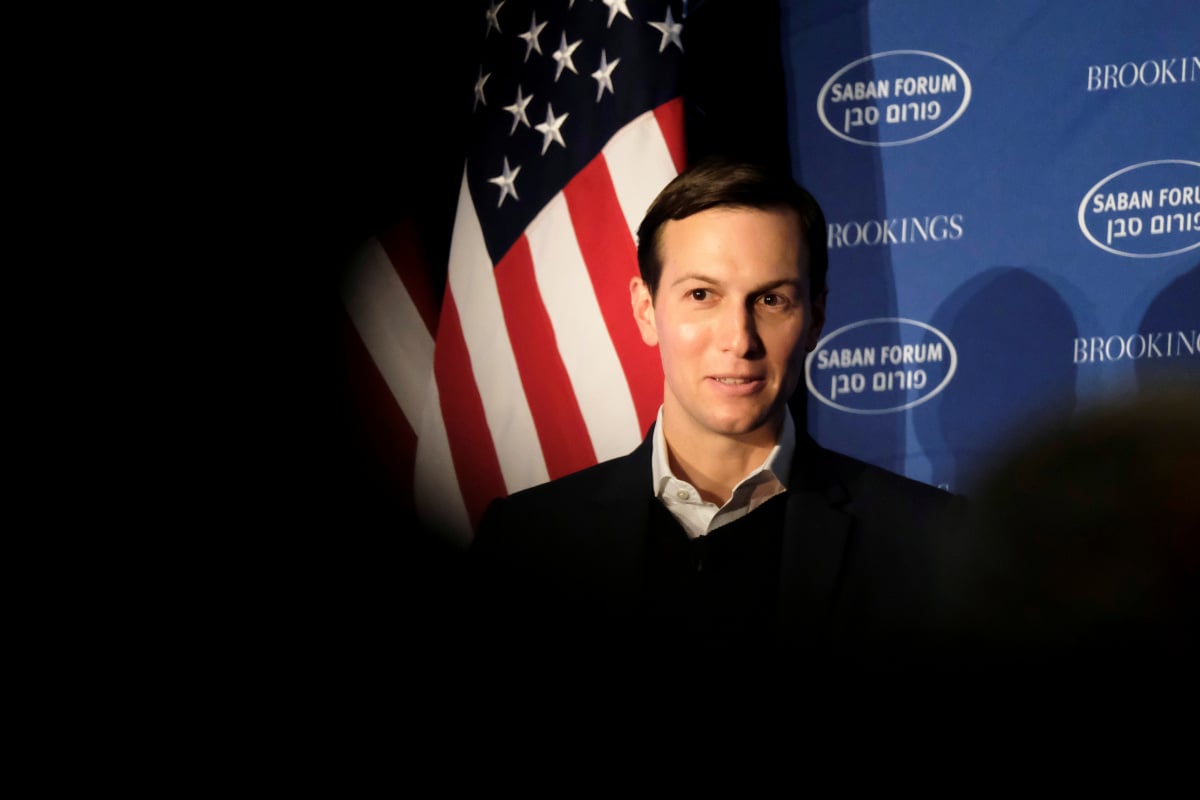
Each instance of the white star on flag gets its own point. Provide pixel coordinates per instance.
(507, 182)
(670, 30)
(615, 7)
(531, 37)
(517, 109)
(563, 56)
(493, 20)
(550, 128)
(603, 75)
(479, 98)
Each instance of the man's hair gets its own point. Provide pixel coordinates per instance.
(715, 182)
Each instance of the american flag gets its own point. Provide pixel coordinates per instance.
(532, 366)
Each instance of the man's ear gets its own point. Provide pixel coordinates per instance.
(818, 320)
(643, 310)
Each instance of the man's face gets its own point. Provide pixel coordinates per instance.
(732, 319)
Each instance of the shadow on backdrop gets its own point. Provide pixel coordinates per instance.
(1174, 310)
(1011, 330)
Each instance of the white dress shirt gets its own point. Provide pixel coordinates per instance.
(697, 516)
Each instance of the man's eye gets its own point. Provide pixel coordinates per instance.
(700, 294)
(772, 300)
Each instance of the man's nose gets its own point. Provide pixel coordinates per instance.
(739, 330)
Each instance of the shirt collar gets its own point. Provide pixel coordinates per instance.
(778, 462)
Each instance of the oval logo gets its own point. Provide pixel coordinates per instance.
(897, 97)
(1146, 210)
(880, 366)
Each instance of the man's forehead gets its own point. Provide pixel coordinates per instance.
(676, 234)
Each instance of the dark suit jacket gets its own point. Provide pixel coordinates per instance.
(562, 563)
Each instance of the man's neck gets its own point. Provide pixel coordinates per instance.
(714, 463)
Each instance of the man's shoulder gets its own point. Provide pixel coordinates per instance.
(582, 483)
(578, 496)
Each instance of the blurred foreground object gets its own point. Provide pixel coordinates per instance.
(1085, 544)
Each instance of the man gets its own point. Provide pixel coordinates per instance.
(727, 529)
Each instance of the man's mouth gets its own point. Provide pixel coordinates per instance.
(737, 380)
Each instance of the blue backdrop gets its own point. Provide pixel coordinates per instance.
(1013, 198)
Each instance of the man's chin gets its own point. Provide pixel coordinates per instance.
(743, 426)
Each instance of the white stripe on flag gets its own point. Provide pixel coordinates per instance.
(390, 327)
(640, 165)
(473, 283)
(580, 332)
(436, 492)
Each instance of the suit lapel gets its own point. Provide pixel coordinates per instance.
(816, 534)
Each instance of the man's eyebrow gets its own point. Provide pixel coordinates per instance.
(765, 287)
(694, 276)
(796, 283)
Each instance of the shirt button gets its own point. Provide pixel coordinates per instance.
(682, 494)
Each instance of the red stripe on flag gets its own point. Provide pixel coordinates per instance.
(402, 243)
(379, 424)
(670, 121)
(611, 261)
(562, 433)
(471, 447)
